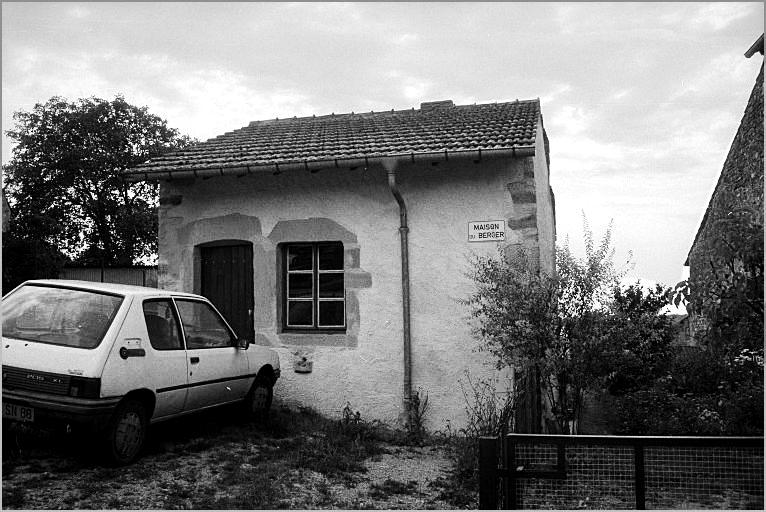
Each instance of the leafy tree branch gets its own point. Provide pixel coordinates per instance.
(65, 185)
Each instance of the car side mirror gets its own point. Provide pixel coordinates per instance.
(243, 343)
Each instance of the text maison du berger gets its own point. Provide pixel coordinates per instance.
(486, 231)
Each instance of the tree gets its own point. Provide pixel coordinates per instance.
(29, 259)
(552, 325)
(636, 338)
(65, 184)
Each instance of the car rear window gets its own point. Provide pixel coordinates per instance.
(59, 316)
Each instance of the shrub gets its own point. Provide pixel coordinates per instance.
(704, 393)
(489, 412)
(634, 339)
(418, 410)
(549, 325)
(656, 411)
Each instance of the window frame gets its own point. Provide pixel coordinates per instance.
(232, 334)
(315, 299)
(179, 325)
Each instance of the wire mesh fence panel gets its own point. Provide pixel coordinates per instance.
(597, 477)
(701, 477)
(616, 472)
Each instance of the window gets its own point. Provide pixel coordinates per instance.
(59, 316)
(203, 327)
(162, 325)
(315, 295)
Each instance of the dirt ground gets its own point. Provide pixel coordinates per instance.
(216, 462)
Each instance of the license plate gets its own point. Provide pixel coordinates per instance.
(18, 412)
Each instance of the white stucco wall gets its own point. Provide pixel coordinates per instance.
(364, 367)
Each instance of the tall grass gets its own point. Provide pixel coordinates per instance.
(489, 412)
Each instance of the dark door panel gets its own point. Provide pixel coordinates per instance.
(227, 280)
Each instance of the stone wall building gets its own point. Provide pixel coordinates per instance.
(343, 242)
(738, 194)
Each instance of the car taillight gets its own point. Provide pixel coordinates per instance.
(84, 387)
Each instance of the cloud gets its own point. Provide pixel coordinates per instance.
(227, 101)
(202, 102)
(412, 88)
(223, 99)
(714, 80)
(563, 17)
(641, 101)
(23, 60)
(416, 90)
(570, 120)
(555, 94)
(79, 11)
(406, 39)
(718, 16)
(620, 94)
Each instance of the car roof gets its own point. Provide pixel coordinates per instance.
(122, 289)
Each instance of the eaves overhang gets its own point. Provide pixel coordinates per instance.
(241, 169)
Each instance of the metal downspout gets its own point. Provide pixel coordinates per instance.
(390, 166)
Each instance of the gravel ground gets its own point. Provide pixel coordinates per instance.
(229, 468)
(420, 467)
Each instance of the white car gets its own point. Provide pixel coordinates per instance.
(116, 358)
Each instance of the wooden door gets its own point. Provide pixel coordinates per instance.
(227, 280)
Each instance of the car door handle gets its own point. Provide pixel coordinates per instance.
(194, 360)
(132, 352)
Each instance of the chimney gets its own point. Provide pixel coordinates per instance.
(433, 105)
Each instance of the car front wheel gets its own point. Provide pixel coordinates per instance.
(258, 401)
(126, 432)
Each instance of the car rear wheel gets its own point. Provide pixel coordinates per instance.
(126, 432)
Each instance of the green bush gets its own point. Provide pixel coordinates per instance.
(635, 340)
(704, 393)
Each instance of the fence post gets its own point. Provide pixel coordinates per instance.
(640, 476)
(488, 457)
(509, 482)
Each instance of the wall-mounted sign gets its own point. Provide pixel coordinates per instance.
(486, 231)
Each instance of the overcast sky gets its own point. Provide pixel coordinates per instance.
(640, 101)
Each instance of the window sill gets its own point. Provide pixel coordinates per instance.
(293, 330)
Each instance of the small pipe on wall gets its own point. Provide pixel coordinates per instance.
(390, 166)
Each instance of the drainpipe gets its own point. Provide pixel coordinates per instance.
(390, 166)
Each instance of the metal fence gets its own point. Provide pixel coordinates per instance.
(529, 471)
(140, 276)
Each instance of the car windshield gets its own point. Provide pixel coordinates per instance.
(59, 316)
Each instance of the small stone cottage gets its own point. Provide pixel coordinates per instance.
(343, 242)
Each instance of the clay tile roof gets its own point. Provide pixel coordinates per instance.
(436, 127)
